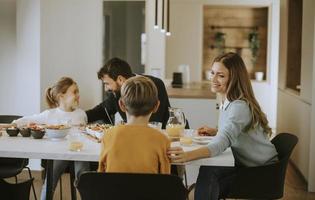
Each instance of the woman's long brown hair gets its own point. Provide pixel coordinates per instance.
(239, 88)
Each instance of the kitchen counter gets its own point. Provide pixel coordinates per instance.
(195, 90)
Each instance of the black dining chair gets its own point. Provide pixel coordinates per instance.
(120, 186)
(264, 182)
(17, 191)
(11, 167)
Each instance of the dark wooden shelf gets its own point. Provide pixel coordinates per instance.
(228, 47)
(234, 27)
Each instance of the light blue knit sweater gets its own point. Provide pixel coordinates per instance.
(250, 147)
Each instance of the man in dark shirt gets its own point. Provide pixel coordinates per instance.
(114, 73)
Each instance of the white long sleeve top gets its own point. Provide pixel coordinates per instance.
(55, 116)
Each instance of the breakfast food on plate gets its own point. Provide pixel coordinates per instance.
(207, 131)
(57, 127)
(36, 127)
(37, 131)
(57, 132)
(98, 127)
(97, 130)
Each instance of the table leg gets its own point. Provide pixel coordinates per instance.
(72, 179)
(49, 177)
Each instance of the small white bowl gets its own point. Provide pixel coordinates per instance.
(57, 133)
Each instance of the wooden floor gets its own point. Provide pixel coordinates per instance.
(295, 188)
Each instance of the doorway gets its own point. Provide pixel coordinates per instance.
(124, 23)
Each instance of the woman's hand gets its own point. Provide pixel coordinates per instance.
(177, 155)
(207, 131)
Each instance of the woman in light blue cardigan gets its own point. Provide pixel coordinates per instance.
(242, 126)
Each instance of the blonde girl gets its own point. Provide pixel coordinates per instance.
(62, 99)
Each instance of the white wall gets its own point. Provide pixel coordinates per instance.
(155, 43)
(294, 117)
(71, 45)
(184, 46)
(7, 56)
(28, 57)
(308, 82)
(307, 58)
(198, 112)
(311, 183)
(307, 78)
(42, 40)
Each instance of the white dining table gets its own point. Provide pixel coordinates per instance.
(28, 147)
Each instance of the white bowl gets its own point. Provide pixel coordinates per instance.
(57, 133)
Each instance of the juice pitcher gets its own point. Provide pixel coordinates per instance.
(176, 122)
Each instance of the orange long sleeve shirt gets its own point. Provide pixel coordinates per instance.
(135, 149)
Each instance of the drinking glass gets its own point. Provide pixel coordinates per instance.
(187, 138)
(75, 140)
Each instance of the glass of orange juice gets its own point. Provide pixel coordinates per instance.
(187, 138)
(174, 130)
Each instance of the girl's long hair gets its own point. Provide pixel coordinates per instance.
(239, 88)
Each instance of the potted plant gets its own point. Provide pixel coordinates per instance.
(254, 45)
(219, 39)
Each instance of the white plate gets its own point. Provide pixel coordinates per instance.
(96, 134)
(202, 139)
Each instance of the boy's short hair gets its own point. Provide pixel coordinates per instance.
(139, 95)
(115, 67)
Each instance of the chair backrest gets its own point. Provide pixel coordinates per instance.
(8, 164)
(264, 182)
(18, 191)
(8, 118)
(117, 186)
(284, 143)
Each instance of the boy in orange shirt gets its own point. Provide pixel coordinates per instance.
(135, 147)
